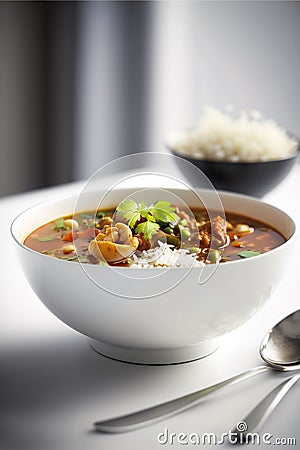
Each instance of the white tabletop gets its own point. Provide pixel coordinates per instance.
(53, 386)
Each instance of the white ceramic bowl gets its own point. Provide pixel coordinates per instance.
(183, 319)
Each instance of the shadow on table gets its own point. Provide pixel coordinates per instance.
(45, 385)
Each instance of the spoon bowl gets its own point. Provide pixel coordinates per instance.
(280, 348)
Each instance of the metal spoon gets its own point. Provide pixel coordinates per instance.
(280, 349)
(258, 416)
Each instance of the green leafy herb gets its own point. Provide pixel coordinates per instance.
(148, 228)
(69, 258)
(83, 259)
(164, 212)
(248, 254)
(161, 211)
(130, 211)
(50, 237)
(59, 225)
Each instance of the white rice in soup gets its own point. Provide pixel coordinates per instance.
(165, 255)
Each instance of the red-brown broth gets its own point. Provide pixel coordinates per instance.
(263, 239)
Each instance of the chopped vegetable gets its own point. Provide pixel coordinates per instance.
(102, 263)
(69, 249)
(194, 250)
(214, 256)
(241, 228)
(248, 254)
(183, 223)
(185, 233)
(69, 258)
(71, 224)
(173, 240)
(168, 230)
(83, 259)
(68, 237)
(50, 237)
(237, 244)
(89, 233)
(60, 225)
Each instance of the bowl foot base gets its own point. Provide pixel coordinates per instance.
(154, 356)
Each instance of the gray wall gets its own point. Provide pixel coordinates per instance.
(82, 83)
(22, 134)
(37, 47)
(197, 54)
(214, 53)
(113, 82)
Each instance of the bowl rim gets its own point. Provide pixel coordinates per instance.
(288, 241)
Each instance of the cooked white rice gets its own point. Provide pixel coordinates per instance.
(248, 138)
(165, 256)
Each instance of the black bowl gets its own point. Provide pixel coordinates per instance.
(252, 178)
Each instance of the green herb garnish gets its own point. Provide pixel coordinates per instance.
(50, 237)
(69, 258)
(148, 228)
(83, 259)
(59, 225)
(133, 212)
(248, 254)
(164, 212)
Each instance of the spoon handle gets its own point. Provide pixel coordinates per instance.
(257, 417)
(160, 412)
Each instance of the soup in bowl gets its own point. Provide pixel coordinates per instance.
(149, 281)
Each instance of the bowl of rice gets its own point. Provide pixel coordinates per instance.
(246, 153)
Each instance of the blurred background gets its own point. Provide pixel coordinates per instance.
(82, 83)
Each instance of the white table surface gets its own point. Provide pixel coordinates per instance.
(53, 386)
